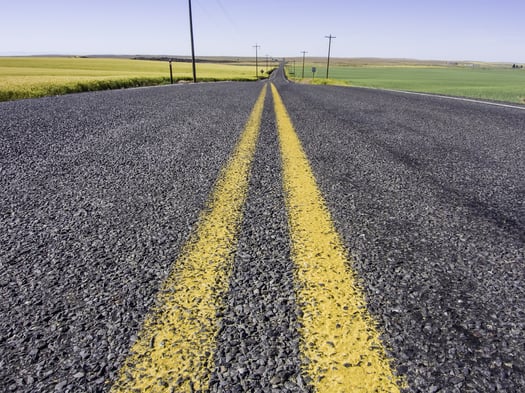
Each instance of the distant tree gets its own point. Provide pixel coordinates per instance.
(514, 66)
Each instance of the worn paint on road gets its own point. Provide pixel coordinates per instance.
(175, 348)
(340, 344)
(339, 341)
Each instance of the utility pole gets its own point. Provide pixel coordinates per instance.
(329, 46)
(192, 45)
(256, 46)
(304, 54)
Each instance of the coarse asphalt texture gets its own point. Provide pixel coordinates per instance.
(99, 192)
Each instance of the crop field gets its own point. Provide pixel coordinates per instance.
(27, 77)
(476, 81)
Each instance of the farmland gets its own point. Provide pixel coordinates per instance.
(27, 77)
(475, 80)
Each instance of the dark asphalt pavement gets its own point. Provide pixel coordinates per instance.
(429, 194)
(99, 191)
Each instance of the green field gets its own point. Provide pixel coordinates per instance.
(482, 82)
(27, 77)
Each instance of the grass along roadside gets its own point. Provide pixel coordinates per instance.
(30, 77)
(491, 83)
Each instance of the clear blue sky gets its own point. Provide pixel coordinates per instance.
(489, 30)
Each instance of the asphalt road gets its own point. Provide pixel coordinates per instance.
(99, 192)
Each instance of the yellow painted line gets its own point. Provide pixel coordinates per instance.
(174, 350)
(339, 340)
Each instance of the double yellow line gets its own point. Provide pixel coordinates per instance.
(340, 344)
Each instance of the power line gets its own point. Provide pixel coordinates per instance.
(192, 45)
(304, 53)
(329, 46)
(256, 46)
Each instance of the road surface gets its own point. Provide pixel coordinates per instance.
(103, 195)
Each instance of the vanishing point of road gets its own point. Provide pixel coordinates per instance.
(261, 237)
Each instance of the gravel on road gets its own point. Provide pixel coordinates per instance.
(430, 197)
(258, 342)
(100, 191)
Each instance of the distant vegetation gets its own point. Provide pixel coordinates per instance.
(500, 82)
(28, 77)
